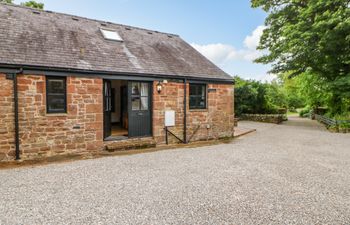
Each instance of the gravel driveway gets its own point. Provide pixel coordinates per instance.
(295, 173)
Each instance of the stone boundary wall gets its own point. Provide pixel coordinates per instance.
(266, 118)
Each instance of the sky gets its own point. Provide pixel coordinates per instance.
(225, 31)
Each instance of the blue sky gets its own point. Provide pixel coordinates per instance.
(224, 31)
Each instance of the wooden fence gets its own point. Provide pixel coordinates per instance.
(329, 121)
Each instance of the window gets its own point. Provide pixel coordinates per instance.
(56, 95)
(139, 96)
(111, 35)
(198, 96)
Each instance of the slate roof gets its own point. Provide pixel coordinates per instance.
(49, 39)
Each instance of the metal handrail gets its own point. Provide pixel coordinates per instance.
(166, 136)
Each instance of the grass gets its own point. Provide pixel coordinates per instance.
(292, 113)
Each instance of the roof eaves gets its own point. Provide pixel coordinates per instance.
(72, 71)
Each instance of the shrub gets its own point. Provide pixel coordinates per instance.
(255, 97)
(305, 112)
(345, 121)
(293, 110)
(282, 111)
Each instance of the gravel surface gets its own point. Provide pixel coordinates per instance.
(295, 173)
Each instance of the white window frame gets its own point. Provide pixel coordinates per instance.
(111, 35)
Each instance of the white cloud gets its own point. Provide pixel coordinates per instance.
(221, 53)
(217, 53)
(225, 55)
(252, 41)
(267, 77)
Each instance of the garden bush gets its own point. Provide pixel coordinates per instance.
(305, 112)
(255, 97)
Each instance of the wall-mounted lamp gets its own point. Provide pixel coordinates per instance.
(159, 87)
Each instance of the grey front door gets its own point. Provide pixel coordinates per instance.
(140, 108)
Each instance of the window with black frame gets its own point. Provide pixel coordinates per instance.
(198, 96)
(56, 97)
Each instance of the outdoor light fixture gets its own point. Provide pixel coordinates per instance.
(159, 87)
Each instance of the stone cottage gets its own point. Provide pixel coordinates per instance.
(70, 85)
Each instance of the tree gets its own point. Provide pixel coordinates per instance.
(6, 1)
(309, 36)
(256, 97)
(33, 4)
(293, 92)
(276, 95)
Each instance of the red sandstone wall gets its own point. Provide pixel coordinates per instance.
(7, 148)
(44, 134)
(217, 121)
(171, 98)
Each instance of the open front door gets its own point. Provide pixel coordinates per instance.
(139, 109)
(107, 108)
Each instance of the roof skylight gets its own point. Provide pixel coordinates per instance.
(111, 35)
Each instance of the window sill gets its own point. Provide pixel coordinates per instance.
(57, 114)
(199, 110)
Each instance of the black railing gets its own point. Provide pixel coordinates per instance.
(167, 131)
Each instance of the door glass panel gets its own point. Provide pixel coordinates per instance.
(144, 103)
(135, 103)
(135, 88)
(144, 89)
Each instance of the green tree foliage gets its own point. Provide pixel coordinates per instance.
(33, 4)
(267, 98)
(276, 95)
(295, 98)
(314, 89)
(310, 38)
(6, 1)
(318, 92)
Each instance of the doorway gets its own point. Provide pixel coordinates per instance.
(115, 109)
(127, 109)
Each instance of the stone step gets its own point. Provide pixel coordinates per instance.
(130, 144)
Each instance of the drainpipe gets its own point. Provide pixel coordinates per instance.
(15, 95)
(185, 111)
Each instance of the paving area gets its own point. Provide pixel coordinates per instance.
(294, 173)
(241, 131)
